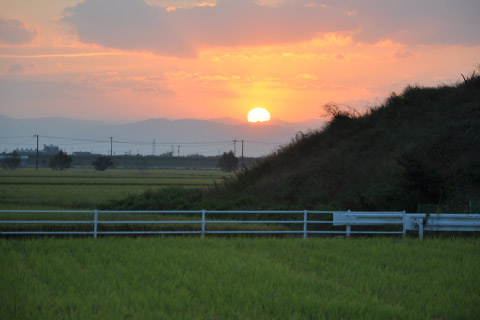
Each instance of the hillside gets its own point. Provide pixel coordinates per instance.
(421, 146)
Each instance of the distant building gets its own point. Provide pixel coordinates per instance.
(26, 151)
(47, 149)
(23, 159)
(51, 149)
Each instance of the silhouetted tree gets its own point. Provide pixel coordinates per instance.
(102, 163)
(228, 162)
(60, 161)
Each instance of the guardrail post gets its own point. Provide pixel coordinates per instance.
(404, 223)
(203, 223)
(305, 224)
(420, 228)
(349, 227)
(95, 223)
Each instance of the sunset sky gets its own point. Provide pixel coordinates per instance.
(129, 60)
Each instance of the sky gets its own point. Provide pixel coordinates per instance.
(130, 60)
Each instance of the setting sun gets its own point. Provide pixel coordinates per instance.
(258, 115)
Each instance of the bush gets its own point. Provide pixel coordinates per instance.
(102, 163)
(61, 161)
(228, 162)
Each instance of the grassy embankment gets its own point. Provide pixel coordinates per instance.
(119, 278)
(419, 147)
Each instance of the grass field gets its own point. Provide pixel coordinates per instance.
(214, 277)
(78, 188)
(192, 278)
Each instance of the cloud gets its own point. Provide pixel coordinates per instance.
(135, 25)
(417, 22)
(20, 68)
(127, 24)
(60, 55)
(16, 68)
(306, 76)
(114, 82)
(15, 32)
(402, 54)
(183, 32)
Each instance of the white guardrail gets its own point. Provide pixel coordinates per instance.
(410, 221)
(332, 222)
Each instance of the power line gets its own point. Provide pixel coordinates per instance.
(76, 139)
(23, 143)
(161, 143)
(18, 137)
(164, 143)
(192, 147)
(18, 143)
(265, 142)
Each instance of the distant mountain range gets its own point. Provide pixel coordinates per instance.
(183, 137)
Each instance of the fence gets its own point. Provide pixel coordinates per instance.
(331, 223)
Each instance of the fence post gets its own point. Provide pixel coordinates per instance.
(349, 227)
(420, 228)
(305, 224)
(203, 223)
(95, 223)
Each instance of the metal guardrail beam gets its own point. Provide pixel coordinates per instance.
(408, 222)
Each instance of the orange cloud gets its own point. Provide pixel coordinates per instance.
(61, 55)
(206, 4)
(15, 32)
(184, 32)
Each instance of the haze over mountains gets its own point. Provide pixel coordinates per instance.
(183, 137)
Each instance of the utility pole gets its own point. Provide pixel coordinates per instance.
(178, 151)
(111, 146)
(242, 155)
(37, 151)
(235, 148)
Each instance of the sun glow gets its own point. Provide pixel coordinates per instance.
(258, 115)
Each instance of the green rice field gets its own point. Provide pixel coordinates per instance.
(79, 188)
(214, 278)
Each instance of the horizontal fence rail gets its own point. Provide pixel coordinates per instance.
(204, 222)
